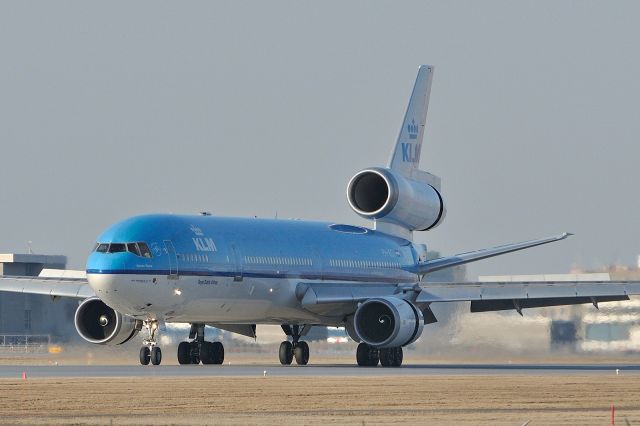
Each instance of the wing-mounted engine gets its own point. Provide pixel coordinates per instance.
(98, 323)
(387, 322)
(387, 196)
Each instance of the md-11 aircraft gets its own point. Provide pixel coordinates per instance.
(234, 273)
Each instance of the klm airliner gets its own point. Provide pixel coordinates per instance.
(234, 273)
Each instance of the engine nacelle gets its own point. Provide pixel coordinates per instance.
(385, 195)
(387, 322)
(98, 323)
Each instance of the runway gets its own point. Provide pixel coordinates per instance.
(324, 370)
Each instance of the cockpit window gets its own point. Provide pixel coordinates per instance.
(139, 248)
(102, 248)
(117, 248)
(144, 250)
(133, 248)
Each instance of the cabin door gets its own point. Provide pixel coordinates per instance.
(237, 262)
(173, 259)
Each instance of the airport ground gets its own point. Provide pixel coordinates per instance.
(387, 399)
(89, 385)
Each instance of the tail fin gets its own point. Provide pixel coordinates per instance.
(406, 154)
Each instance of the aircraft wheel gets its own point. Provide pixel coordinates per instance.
(194, 352)
(184, 353)
(285, 353)
(145, 355)
(218, 352)
(399, 356)
(207, 355)
(391, 357)
(156, 356)
(367, 356)
(301, 353)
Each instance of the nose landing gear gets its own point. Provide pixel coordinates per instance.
(150, 352)
(199, 350)
(296, 348)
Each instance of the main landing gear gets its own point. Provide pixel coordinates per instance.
(369, 356)
(150, 352)
(199, 350)
(295, 349)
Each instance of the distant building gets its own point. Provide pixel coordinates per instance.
(613, 327)
(31, 314)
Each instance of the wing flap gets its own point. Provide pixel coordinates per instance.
(519, 304)
(500, 296)
(451, 292)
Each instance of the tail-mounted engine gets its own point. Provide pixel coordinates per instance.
(387, 322)
(98, 323)
(388, 196)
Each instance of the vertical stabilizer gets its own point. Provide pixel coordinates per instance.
(406, 153)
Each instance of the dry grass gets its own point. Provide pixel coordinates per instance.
(478, 400)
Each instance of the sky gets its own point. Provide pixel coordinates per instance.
(109, 110)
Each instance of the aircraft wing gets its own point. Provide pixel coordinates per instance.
(498, 296)
(328, 298)
(472, 256)
(51, 282)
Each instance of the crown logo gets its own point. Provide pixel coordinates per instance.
(196, 230)
(412, 129)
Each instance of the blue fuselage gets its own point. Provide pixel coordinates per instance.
(198, 266)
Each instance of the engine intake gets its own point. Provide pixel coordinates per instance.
(98, 323)
(385, 195)
(388, 322)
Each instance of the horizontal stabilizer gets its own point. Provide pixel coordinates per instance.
(472, 256)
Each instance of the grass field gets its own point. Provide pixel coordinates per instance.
(466, 400)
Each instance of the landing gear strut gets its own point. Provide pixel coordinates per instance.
(150, 352)
(199, 350)
(369, 356)
(296, 348)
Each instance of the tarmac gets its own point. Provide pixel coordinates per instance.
(324, 370)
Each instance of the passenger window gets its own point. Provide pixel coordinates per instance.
(117, 248)
(144, 250)
(102, 248)
(133, 248)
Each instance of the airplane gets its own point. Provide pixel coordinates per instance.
(234, 273)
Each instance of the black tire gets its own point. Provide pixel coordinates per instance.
(145, 355)
(156, 356)
(367, 356)
(301, 353)
(374, 356)
(398, 357)
(391, 357)
(207, 355)
(285, 353)
(387, 356)
(184, 353)
(218, 352)
(194, 352)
